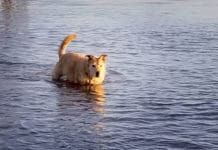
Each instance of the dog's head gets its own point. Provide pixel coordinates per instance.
(96, 66)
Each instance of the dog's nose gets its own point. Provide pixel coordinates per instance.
(97, 74)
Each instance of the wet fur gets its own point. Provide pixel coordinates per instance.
(79, 68)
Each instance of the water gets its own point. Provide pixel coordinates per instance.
(161, 89)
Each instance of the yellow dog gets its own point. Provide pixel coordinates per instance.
(79, 68)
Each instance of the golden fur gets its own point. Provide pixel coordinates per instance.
(79, 68)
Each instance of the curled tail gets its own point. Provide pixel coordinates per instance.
(65, 43)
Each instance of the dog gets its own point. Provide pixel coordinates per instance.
(79, 68)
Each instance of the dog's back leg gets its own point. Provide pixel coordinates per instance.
(57, 72)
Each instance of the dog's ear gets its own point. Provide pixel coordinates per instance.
(90, 57)
(103, 57)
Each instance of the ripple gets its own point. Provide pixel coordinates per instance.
(160, 90)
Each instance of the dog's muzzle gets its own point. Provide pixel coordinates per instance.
(97, 74)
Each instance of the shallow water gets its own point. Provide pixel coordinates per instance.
(161, 90)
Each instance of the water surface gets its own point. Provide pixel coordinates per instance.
(161, 89)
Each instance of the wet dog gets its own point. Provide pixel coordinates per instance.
(79, 68)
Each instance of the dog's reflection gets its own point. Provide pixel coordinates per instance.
(94, 94)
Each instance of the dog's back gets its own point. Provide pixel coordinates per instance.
(74, 66)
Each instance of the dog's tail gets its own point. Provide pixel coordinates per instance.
(65, 43)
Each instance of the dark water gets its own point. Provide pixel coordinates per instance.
(161, 90)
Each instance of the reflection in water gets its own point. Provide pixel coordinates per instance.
(14, 15)
(80, 110)
(7, 4)
(7, 13)
(94, 94)
(97, 93)
(13, 29)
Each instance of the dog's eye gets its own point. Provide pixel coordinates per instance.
(93, 66)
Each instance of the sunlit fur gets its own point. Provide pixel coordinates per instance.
(79, 68)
